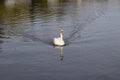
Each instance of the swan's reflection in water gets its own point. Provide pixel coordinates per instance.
(61, 51)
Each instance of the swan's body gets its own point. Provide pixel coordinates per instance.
(59, 41)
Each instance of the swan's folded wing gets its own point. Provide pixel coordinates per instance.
(56, 41)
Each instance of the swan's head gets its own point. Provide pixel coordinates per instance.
(61, 31)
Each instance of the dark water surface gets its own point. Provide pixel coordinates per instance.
(91, 31)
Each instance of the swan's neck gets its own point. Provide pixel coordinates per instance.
(61, 36)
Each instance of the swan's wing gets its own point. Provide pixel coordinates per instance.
(56, 41)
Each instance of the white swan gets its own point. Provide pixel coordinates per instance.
(59, 41)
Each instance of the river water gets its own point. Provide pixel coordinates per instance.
(91, 32)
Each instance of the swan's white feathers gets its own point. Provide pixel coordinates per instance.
(59, 41)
